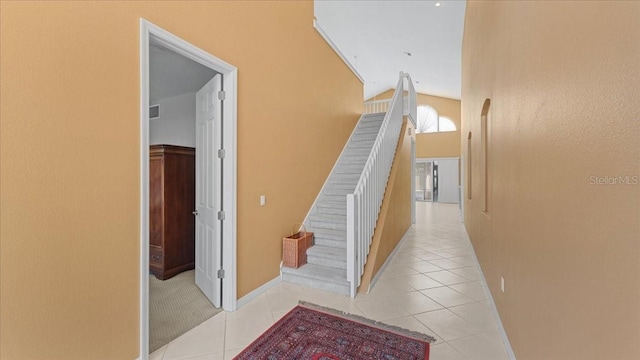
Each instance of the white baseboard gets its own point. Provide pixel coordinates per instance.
(258, 291)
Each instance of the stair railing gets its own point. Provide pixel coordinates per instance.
(363, 205)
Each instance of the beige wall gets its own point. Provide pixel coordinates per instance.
(563, 79)
(70, 155)
(434, 145)
(395, 213)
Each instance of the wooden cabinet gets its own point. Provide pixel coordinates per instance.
(172, 171)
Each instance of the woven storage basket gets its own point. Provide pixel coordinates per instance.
(294, 247)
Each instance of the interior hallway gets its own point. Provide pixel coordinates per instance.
(432, 285)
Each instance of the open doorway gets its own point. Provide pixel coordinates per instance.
(181, 293)
(188, 119)
(437, 180)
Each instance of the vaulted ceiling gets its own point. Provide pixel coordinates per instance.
(380, 38)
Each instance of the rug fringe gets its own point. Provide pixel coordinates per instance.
(393, 328)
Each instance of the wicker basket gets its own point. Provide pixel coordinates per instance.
(294, 247)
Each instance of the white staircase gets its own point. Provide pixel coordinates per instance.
(326, 266)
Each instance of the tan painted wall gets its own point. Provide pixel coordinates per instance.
(70, 155)
(434, 145)
(563, 79)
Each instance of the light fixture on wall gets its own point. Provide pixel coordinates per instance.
(437, 4)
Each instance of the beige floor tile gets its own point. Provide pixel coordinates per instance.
(425, 266)
(230, 354)
(447, 325)
(447, 277)
(474, 290)
(410, 323)
(446, 296)
(446, 264)
(241, 332)
(428, 255)
(207, 338)
(380, 308)
(466, 260)
(444, 351)
(477, 315)
(386, 287)
(282, 301)
(470, 273)
(420, 282)
(325, 298)
(480, 347)
(416, 302)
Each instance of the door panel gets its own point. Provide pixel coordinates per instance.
(208, 117)
(448, 181)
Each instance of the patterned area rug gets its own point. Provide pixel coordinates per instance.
(311, 332)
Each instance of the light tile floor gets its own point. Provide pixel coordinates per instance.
(432, 285)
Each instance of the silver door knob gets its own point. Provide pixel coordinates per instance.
(195, 213)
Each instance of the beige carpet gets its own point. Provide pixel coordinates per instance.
(176, 306)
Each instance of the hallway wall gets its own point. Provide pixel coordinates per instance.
(70, 145)
(563, 213)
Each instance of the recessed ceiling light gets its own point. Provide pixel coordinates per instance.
(437, 4)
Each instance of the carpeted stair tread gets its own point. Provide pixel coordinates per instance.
(327, 278)
(327, 256)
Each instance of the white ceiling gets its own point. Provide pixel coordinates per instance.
(375, 36)
(171, 74)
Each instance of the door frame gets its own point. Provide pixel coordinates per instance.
(229, 167)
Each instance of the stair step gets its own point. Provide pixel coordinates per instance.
(338, 244)
(357, 151)
(338, 219)
(333, 186)
(330, 234)
(324, 203)
(315, 221)
(322, 277)
(327, 256)
(332, 211)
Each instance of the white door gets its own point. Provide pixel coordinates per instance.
(448, 191)
(208, 122)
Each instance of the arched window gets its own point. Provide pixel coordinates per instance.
(446, 124)
(429, 121)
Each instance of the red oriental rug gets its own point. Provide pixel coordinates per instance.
(311, 332)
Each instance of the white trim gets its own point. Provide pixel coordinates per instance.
(386, 262)
(144, 195)
(229, 197)
(258, 291)
(335, 48)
